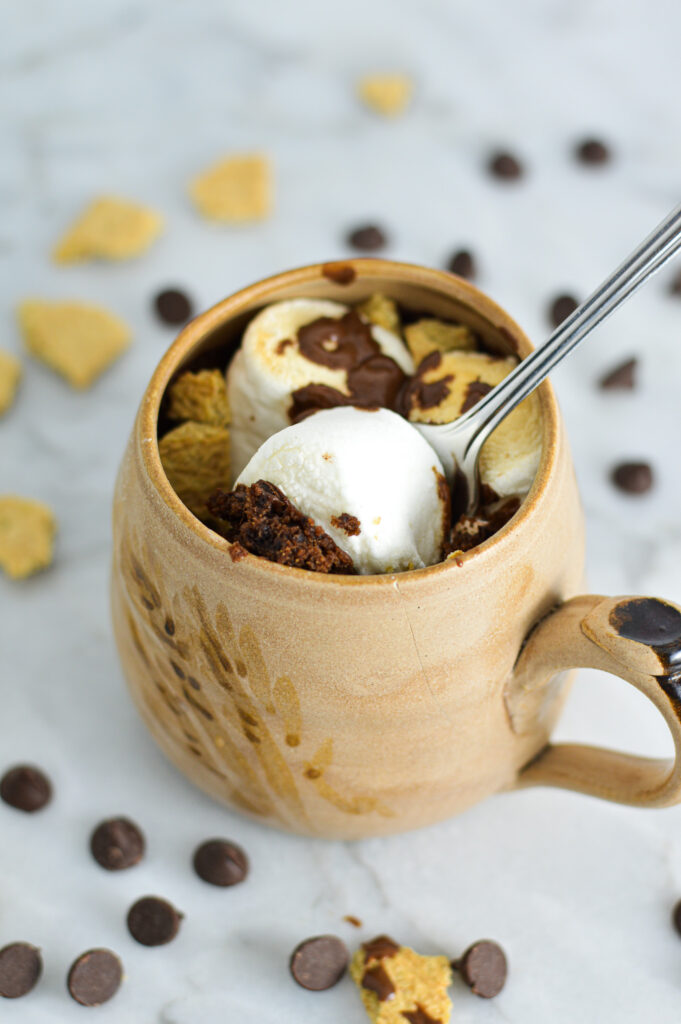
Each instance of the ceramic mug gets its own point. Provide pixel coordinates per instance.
(351, 706)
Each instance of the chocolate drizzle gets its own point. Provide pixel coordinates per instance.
(346, 343)
(376, 979)
(476, 390)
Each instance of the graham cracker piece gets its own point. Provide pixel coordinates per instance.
(27, 530)
(196, 460)
(10, 375)
(457, 373)
(109, 229)
(380, 310)
(201, 397)
(236, 189)
(419, 984)
(77, 340)
(386, 94)
(426, 336)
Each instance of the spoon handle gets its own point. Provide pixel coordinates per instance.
(477, 424)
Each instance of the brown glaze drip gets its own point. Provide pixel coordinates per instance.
(349, 524)
(380, 948)
(346, 343)
(376, 979)
(339, 273)
(476, 390)
(419, 1016)
(262, 520)
(654, 623)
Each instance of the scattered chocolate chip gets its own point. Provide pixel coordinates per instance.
(484, 968)
(153, 921)
(592, 151)
(676, 917)
(633, 477)
(117, 843)
(560, 309)
(319, 963)
(219, 862)
(26, 788)
(20, 967)
(94, 977)
(621, 378)
(463, 264)
(368, 238)
(505, 166)
(173, 306)
(675, 284)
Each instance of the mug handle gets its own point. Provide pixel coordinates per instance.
(636, 638)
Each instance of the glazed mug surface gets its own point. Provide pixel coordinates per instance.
(353, 706)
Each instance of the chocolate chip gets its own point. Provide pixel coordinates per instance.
(153, 921)
(463, 264)
(675, 284)
(173, 306)
(20, 967)
(26, 788)
(676, 917)
(94, 977)
(319, 963)
(505, 166)
(593, 152)
(377, 980)
(368, 238)
(621, 378)
(219, 862)
(484, 968)
(561, 307)
(117, 843)
(633, 477)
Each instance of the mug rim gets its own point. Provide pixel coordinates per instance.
(195, 332)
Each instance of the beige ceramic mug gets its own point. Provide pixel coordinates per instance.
(346, 706)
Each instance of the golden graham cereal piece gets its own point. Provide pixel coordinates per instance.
(426, 336)
(509, 458)
(109, 229)
(399, 986)
(236, 189)
(385, 94)
(196, 460)
(10, 375)
(27, 531)
(380, 310)
(201, 397)
(76, 340)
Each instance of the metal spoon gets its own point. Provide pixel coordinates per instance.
(458, 444)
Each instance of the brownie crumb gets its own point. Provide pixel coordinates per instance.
(470, 530)
(349, 524)
(263, 521)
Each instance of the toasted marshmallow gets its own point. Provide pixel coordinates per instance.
(269, 366)
(510, 457)
(368, 479)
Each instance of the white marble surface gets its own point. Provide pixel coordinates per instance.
(133, 96)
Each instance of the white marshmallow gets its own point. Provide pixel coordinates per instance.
(370, 465)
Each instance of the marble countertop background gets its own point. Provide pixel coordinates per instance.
(135, 96)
